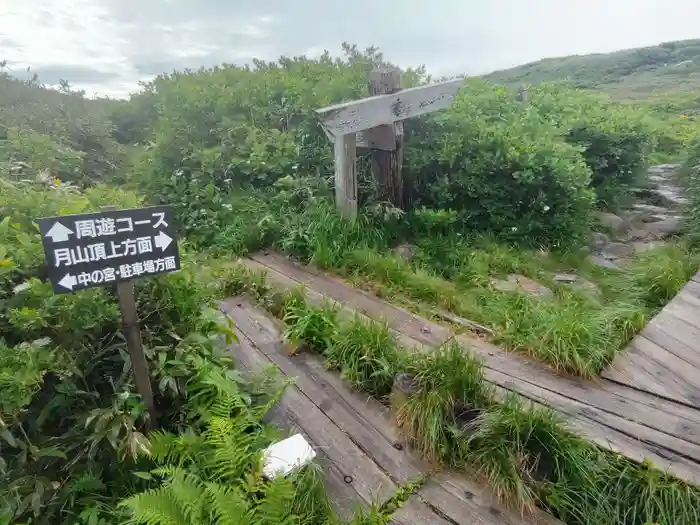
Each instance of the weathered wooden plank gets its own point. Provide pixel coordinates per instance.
(631, 413)
(623, 436)
(344, 497)
(349, 418)
(360, 115)
(649, 367)
(359, 300)
(676, 336)
(458, 502)
(365, 421)
(692, 290)
(682, 310)
(382, 137)
(369, 483)
(346, 175)
(416, 512)
(608, 397)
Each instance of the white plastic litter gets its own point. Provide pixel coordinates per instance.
(286, 455)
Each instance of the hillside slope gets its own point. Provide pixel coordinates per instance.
(631, 74)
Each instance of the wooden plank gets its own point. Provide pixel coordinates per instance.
(416, 512)
(343, 495)
(370, 484)
(458, 502)
(611, 415)
(651, 368)
(313, 384)
(421, 330)
(382, 137)
(365, 421)
(676, 336)
(360, 115)
(692, 291)
(614, 399)
(316, 299)
(346, 175)
(682, 310)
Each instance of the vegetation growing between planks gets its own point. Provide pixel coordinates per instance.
(525, 452)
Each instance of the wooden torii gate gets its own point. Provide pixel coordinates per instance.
(375, 123)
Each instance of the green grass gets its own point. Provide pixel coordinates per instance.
(451, 392)
(526, 453)
(367, 355)
(575, 331)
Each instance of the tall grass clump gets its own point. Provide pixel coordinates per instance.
(656, 276)
(450, 394)
(367, 355)
(519, 449)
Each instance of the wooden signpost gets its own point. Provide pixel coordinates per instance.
(113, 247)
(375, 123)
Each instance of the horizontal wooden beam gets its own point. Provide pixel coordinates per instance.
(382, 137)
(367, 113)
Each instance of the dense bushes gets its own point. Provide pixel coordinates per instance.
(61, 132)
(502, 169)
(615, 139)
(690, 178)
(529, 172)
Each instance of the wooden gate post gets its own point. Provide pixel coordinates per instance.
(373, 123)
(387, 164)
(346, 175)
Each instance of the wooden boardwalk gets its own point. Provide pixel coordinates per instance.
(354, 437)
(664, 359)
(638, 423)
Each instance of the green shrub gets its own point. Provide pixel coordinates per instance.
(615, 138)
(501, 169)
(690, 178)
(616, 159)
(64, 123)
(72, 428)
(31, 155)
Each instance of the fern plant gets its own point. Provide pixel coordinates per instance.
(215, 476)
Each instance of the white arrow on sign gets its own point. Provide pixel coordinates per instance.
(59, 232)
(68, 281)
(162, 240)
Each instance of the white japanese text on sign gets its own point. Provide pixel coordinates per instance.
(100, 248)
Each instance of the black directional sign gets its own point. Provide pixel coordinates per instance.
(99, 249)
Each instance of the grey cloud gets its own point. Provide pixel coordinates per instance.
(75, 75)
(448, 36)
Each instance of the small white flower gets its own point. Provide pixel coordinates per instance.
(514, 229)
(228, 206)
(21, 287)
(227, 181)
(546, 208)
(295, 167)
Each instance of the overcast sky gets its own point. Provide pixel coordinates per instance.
(107, 46)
